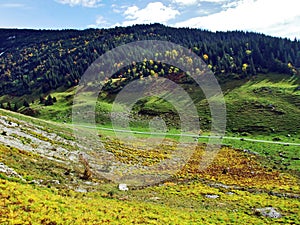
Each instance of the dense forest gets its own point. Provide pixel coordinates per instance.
(37, 61)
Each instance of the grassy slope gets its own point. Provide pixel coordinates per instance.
(181, 200)
(25, 204)
(267, 104)
(266, 108)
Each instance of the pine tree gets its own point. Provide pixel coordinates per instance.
(8, 107)
(49, 101)
(25, 104)
(15, 108)
(42, 100)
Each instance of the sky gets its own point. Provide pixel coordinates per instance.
(272, 17)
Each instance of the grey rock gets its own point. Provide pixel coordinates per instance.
(212, 196)
(123, 187)
(250, 152)
(9, 171)
(219, 185)
(81, 190)
(268, 212)
(38, 182)
(155, 198)
(55, 182)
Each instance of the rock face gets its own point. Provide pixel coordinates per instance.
(39, 140)
(9, 171)
(268, 212)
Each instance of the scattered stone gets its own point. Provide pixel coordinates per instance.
(90, 183)
(123, 187)
(81, 190)
(229, 193)
(219, 185)
(57, 182)
(37, 182)
(282, 155)
(155, 198)
(268, 212)
(250, 152)
(212, 196)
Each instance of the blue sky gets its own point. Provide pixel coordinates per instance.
(273, 17)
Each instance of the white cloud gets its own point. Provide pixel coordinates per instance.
(185, 2)
(196, 2)
(100, 22)
(231, 4)
(266, 16)
(154, 12)
(115, 8)
(11, 5)
(215, 1)
(84, 3)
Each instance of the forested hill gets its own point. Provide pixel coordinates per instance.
(37, 61)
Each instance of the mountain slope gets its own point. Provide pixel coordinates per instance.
(35, 62)
(48, 185)
(48, 176)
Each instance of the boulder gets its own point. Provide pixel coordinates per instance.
(268, 212)
(212, 196)
(80, 190)
(123, 187)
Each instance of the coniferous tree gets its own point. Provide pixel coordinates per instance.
(49, 101)
(25, 104)
(8, 107)
(15, 109)
(42, 100)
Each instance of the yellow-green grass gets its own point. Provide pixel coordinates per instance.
(177, 204)
(179, 200)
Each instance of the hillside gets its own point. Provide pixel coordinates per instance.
(43, 181)
(257, 73)
(58, 169)
(36, 61)
(267, 104)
